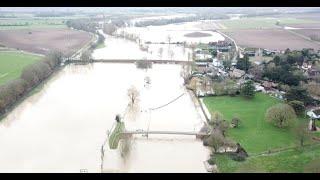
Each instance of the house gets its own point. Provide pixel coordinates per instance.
(223, 46)
(313, 73)
(305, 67)
(314, 114)
(250, 51)
(259, 88)
(269, 85)
(268, 52)
(237, 73)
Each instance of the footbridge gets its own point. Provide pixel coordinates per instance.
(155, 61)
(198, 134)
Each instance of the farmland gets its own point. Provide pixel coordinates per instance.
(314, 34)
(43, 40)
(12, 63)
(270, 39)
(262, 23)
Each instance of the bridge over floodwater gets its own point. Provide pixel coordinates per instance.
(193, 133)
(155, 61)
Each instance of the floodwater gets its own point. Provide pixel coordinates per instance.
(120, 48)
(176, 32)
(62, 127)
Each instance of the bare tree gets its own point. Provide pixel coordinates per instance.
(133, 94)
(160, 52)
(171, 54)
(169, 39)
(86, 56)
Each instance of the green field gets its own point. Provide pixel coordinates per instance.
(257, 23)
(287, 161)
(258, 136)
(12, 63)
(254, 134)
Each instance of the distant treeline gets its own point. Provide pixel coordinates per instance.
(15, 24)
(8, 16)
(83, 24)
(31, 76)
(160, 22)
(54, 14)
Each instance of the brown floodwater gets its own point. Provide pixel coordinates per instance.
(62, 128)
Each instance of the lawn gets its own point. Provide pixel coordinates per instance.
(12, 63)
(254, 134)
(286, 161)
(257, 136)
(257, 23)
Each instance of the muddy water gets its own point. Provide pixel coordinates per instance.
(62, 128)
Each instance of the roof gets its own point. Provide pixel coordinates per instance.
(313, 115)
(237, 73)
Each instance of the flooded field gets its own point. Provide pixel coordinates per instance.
(62, 128)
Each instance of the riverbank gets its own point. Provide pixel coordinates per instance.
(37, 88)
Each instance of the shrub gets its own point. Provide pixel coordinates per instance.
(235, 122)
(212, 161)
(298, 107)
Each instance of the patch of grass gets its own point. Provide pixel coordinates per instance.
(12, 64)
(287, 161)
(101, 45)
(258, 22)
(254, 134)
(115, 135)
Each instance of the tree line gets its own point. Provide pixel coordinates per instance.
(198, 17)
(83, 24)
(31, 76)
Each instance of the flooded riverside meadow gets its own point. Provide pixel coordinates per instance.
(62, 127)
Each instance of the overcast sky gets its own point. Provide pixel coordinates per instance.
(155, 9)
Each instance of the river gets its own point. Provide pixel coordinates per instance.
(62, 127)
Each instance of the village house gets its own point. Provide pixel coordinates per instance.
(259, 88)
(305, 67)
(223, 46)
(268, 52)
(314, 114)
(236, 73)
(269, 86)
(313, 73)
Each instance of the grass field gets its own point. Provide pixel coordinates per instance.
(12, 63)
(286, 161)
(254, 134)
(257, 23)
(257, 136)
